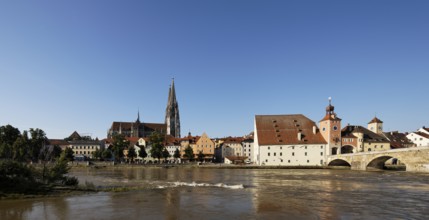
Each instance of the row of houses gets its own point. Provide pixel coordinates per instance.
(289, 140)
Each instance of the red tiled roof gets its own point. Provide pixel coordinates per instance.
(375, 120)
(284, 129)
(58, 142)
(332, 117)
(422, 134)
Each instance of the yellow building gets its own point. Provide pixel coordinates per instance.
(205, 145)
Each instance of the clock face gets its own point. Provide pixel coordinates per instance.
(335, 128)
(323, 129)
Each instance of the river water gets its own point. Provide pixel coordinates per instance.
(199, 193)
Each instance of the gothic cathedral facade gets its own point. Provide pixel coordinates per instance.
(144, 129)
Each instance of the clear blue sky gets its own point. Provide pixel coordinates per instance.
(79, 65)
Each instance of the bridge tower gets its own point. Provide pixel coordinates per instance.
(330, 127)
(375, 125)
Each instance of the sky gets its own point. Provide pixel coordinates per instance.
(80, 65)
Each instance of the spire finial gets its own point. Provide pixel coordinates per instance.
(330, 99)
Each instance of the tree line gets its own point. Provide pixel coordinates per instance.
(19, 152)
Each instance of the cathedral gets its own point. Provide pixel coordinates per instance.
(171, 126)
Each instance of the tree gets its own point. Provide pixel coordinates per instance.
(201, 156)
(67, 154)
(156, 140)
(132, 154)
(37, 141)
(165, 154)
(56, 152)
(176, 153)
(119, 145)
(106, 154)
(142, 152)
(97, 154)
(20, 148)
(189, 153)
(8, 136)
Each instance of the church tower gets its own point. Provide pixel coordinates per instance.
(330, 127)
(172, 119)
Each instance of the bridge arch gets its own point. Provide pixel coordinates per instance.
(379, 162)
(340, 163)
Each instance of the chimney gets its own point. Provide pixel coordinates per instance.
(314, 129)
(299, 136)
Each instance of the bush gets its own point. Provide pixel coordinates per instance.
(16, 177)
(71, 181)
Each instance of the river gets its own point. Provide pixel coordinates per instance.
(199, 193)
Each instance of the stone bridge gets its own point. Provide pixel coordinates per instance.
(416, 159)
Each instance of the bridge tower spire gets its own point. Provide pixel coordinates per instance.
(330, 126)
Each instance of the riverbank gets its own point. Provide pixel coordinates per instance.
(99, 165)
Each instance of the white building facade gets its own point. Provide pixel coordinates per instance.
(420, 139)
(288, 140)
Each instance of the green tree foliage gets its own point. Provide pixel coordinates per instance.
(106, 154)
(156, 140)
(189, 153)
(200, 156)
(67, 154)
(97, 154)
(20, 148)
(142, 152)
(132, 153)
(56, 174)
(56, 151)
(8, 136)
(37, 141)
(119, 145)
(16, 177)
(176, 154)
(165, 154)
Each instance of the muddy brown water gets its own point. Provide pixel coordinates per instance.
(196, 193)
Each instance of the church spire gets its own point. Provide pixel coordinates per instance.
(138, 116)
(172, 119)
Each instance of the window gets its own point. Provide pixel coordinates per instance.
(321, 161)
(321, 147)
(321, 153)
(266, 160)
(293, 147)
(281, 148)
(268, 154)
(281, 154)
(288, 161)
(268, 148)
(305, 153)
(381, 146)
(323, 129)
(293, 154)
(281, 160)
(335, 128)
(305, 147)
(274, 154)
(308, 161)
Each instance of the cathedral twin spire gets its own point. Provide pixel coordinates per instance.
(172, 118)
